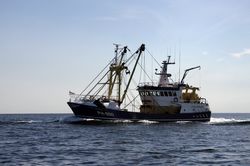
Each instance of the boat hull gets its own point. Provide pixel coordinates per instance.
(92, 112)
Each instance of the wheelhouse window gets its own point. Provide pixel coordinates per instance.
(158, 93)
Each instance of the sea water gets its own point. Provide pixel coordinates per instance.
(62, 139)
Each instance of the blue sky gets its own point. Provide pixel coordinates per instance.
(50, 47)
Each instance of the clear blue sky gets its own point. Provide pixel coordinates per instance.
(50, 47)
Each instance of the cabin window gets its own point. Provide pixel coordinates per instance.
(142, 93)
(174, 94)
(158, 93)
(154, 93)
(146, 93)
(166, 93)
(169, 93)
(162, 94)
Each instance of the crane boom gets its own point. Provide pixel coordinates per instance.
(186, 71)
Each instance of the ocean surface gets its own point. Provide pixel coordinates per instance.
(62, 139)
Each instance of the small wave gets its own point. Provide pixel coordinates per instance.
(147, 121)
(29, 121)
(77, 120)
(183, 122)
(122, 121)
(225, 121)
(20, 122)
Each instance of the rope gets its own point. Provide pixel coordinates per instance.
(153, 58)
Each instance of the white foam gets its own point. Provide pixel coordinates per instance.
(147, 121)
(182, 122)
(226, 121)
(28, 121)
(123, 121)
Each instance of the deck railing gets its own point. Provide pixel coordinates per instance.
(82, 98)
(201, 101)
(148, 84)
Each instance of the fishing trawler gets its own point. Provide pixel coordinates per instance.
(111, 96)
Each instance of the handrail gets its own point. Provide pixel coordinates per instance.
(201, 101)
(148, 84)
(77, 97)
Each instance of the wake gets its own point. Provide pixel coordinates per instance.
(76, 120)
(230, 121)
(213, 121)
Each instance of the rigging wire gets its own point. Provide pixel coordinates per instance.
(135, 84)
(145, 72)
(140, 72)
(180, 63)
(144, 67)
(99, 90)
(132, 95)
(141, 66)
(127, 61)
(153, 57)
(131, 102)
(111, 61)
(97, 76)
(100, 74)
(152, 70)
(96, 84)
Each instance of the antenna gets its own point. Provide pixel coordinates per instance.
(179, 63)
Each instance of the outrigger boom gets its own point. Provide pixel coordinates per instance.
(186, 71)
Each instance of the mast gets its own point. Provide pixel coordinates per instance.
(115, 74)
(139, 51)
(115, 70)
(164, 81)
